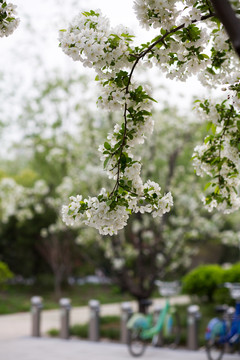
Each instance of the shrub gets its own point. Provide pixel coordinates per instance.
(203, 281)
(232, 274)
(5, 274)
(109, 328)
(79, 330)
(53, 333)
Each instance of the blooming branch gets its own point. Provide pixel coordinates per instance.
(181, 49)
(8, 20)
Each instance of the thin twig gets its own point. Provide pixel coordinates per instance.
(138, 58)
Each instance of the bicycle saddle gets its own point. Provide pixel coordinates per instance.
(146, 302)
(221, 309)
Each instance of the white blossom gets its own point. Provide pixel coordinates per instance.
(8, 20)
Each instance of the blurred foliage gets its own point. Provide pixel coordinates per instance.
(109, 328)
(232, 274)
(5, 275)
(206, 282)
(17, 297)
(26, 177)
(61, 135)
(203, 281)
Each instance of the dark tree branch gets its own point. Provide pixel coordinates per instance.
(226, 14)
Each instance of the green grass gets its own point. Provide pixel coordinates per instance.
(109, 329)
(17, 298)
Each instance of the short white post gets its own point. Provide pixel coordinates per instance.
(65, 305)
(93, 330)
(36, 307)
(126, 312)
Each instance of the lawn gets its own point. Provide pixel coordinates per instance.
(17, 298)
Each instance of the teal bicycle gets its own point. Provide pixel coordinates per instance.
(165, 330)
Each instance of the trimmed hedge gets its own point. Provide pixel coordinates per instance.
(205, 282)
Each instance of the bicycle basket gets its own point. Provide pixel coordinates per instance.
(168, 288)
(235, 291)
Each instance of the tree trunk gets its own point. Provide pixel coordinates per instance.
(57, 285)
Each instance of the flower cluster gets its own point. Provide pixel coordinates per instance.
(219, 156)
(8, 20)
(19, 201)
(191, 41)
(90, 40)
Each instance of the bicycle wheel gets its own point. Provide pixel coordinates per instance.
(214, 350)
(136, 345)
(172, 330)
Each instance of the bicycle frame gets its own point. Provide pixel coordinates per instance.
(222, 332)
(219, 329)
(149, 333)
(142, 328)
(144, 323)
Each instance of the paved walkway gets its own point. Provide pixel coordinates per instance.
(55, 349)
(15, 342)
(19, 325)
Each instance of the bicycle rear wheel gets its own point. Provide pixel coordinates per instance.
(214, 350)
(172, 330)
(136, 345)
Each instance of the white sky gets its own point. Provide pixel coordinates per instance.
(32, 52)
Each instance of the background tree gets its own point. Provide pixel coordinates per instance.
(148, 249)
(57, 160)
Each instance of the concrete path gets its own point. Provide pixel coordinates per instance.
(55, 349)
(15, 342)
(19, 325)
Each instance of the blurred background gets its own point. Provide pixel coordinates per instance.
(50, 130)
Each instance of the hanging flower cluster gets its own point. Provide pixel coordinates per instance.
(8, 20)
(190, 41)
(218, 157)
(91, 40)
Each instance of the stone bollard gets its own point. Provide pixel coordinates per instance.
(65, 304)
(157, 339)
(93, 330)
(126, 312)
(36, 307)
(193, 317)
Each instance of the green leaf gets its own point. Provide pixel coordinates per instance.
(207, 186)
(238, 125)
(106, 162)
(107, 145)
(213, 128)
(209, 124)
(149, 97)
